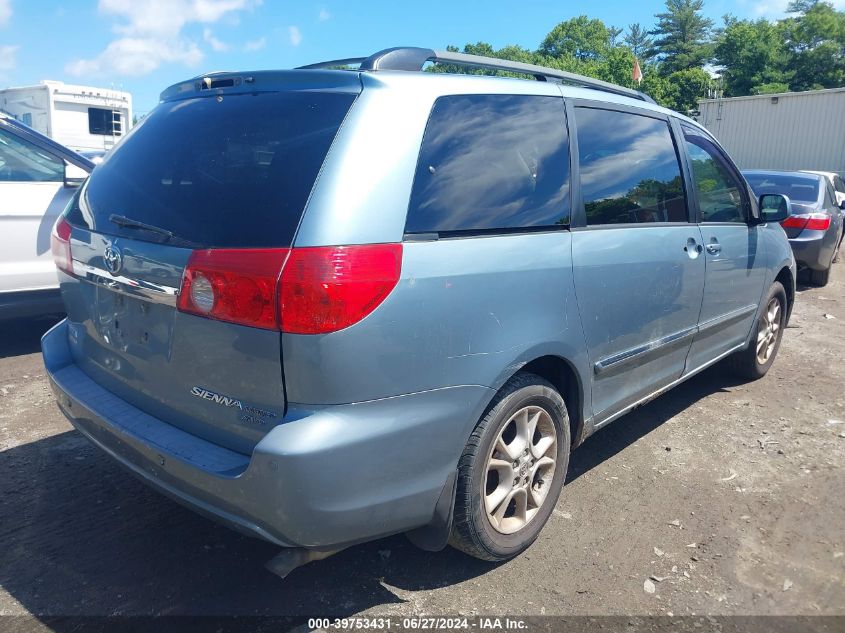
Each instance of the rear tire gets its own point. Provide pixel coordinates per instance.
(517, 455)
(753, 362)
(820, 278)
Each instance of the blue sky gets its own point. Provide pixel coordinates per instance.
(145, 45)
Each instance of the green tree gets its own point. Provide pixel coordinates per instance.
(580, 38)
(639, 41)
(658, 87)
(688, 86)
(614, 34)
(770, 88)
(752, 54)
(682, 41)
(617, 67)
(815, 38)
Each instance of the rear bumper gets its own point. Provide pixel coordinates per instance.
(813, 249)
(322, 478)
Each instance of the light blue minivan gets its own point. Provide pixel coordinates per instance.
(327, 305)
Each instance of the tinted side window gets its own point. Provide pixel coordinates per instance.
(840, 186)
(492, 162)
(21, 161)
(831, 194)
(629, 169)
(719, 190)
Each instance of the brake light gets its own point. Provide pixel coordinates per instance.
(325, 289)
(235, 285)
(809, 221)
(60, 245)
(314, 290)
(818, 222)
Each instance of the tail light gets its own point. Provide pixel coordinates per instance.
(325, 289)
(313, 290)
(60, 245)
(236, 285)
(809, 221)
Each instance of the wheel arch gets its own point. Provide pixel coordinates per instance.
(563, 374)
(787, 280)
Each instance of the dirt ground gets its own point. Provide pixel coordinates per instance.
(728, 496)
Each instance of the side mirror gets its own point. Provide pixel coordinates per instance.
(74, 176)
(774, 207)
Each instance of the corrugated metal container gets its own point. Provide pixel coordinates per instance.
(790, 131)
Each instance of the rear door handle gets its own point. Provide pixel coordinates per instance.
(714, 248)
(692, 248)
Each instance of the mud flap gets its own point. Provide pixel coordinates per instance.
(434, 536)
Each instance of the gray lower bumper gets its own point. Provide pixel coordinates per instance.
(322, 478)
(812, 249)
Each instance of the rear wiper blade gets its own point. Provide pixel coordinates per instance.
(129, 223)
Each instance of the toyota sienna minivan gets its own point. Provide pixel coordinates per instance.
(328, 305)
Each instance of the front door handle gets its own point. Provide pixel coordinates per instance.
(714, 248)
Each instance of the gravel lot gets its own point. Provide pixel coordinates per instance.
(730, 496)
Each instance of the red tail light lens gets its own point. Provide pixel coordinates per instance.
(60, 245)
(809, 221)
(235, 285)
(325, 289)
(818, 222)
(313, 290)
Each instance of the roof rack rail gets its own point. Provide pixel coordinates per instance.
(413, 59)
(333, 63)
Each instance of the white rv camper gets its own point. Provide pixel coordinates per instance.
(80, 117)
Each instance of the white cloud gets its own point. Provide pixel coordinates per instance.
(8, 57)
(295, 35)
(5, 12)
(215, 44)
(777, 8)
(324, 15)
(134, 56)
(255, 45)
(150, 34)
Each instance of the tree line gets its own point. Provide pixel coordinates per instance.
(685, 57)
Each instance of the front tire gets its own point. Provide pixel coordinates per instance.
(512, 470)
(754, 361)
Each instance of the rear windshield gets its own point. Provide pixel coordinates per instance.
(230, 172)
(796, 188)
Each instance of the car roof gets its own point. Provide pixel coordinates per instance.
(782, 172)
(826, 174)
(356, 80)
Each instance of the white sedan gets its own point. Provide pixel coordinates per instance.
(37, 178)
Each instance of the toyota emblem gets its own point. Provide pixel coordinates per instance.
(113, 259)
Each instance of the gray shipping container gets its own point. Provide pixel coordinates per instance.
(790, 131)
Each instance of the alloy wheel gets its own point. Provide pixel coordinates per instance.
(520, 469)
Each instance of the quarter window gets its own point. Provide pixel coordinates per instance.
(629, 169)
(491, 163)
(20, 161)
(719, 190)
